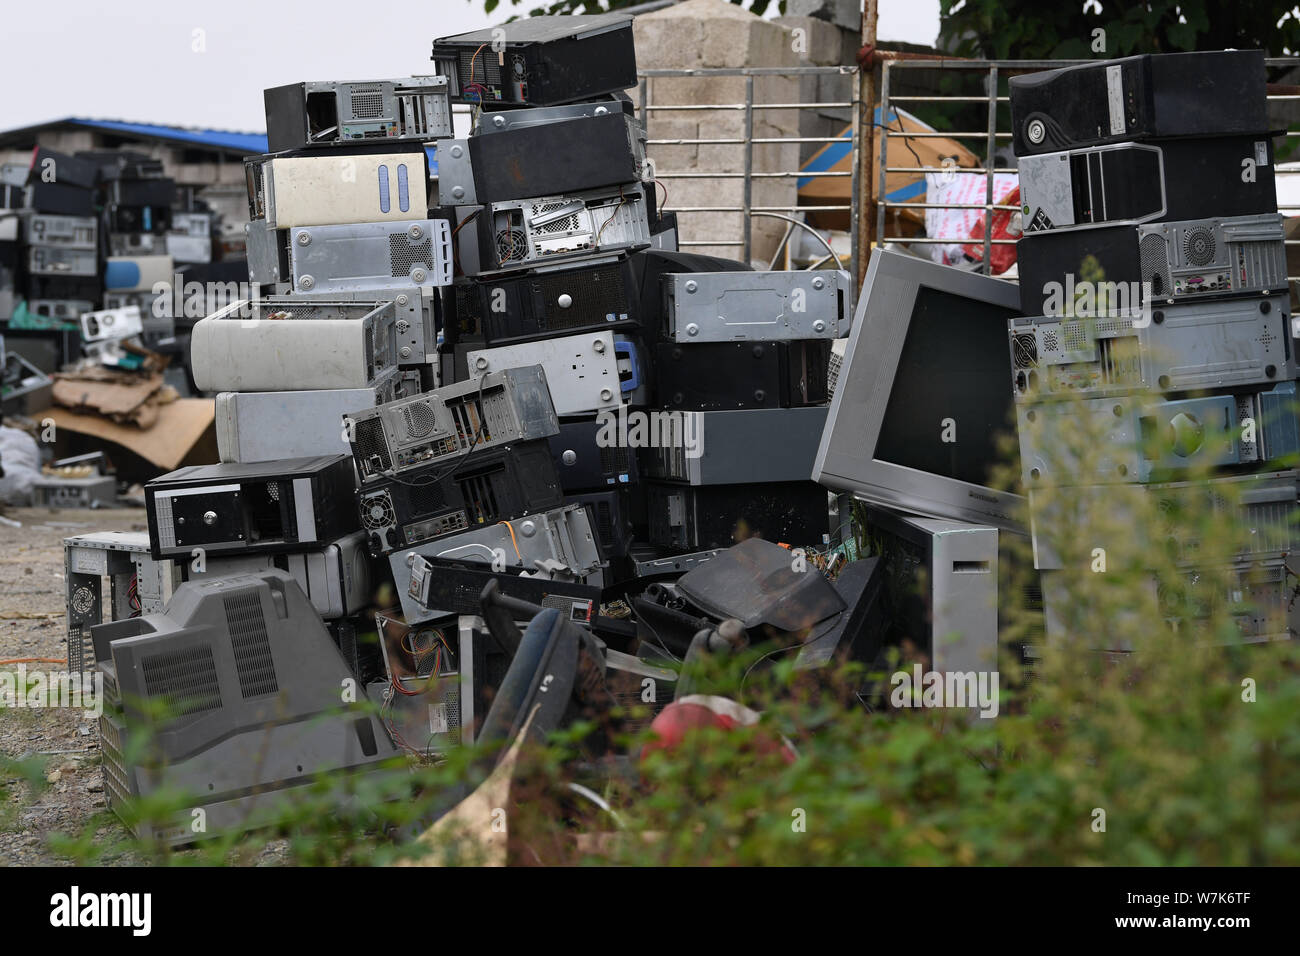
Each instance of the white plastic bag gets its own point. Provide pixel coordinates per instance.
(21, 460)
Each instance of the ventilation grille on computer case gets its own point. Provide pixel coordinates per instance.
(404, 254)
(1272, 523)
(557, 226)
(284, 313)
(606, 533)
(1199, 247)
(426, 499)
(419, 419)
(485, 70)
(469, 315)
(594, 296)
(251, 643)
(368, 444)
(186, 680)
(367, 101)
(615, 459)
(1153, 251)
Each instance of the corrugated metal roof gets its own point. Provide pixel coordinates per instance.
(219, 139)
(216, 138)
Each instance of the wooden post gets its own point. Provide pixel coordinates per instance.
(866, 146)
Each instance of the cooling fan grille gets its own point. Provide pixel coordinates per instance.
(420, 420)
(377, 512)
(83, 599)
(1024, 349)
(1199, 246)
(512, 245)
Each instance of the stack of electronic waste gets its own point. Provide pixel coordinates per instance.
(92, 244)
(60, 265)
(505, 377)
(137, 215)
(100, 230)
(1153, 278)
(690, 389)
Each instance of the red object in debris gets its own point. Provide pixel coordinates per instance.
(680, 718)
(1006, 225)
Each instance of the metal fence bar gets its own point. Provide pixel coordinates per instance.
(991, 137)
(931, 169)
(792, 174)
(855, 184)
(737, 209)
(947, 99)
(736, 107)
(756, 71)
(748, 194)
(991, 148)
(739, 142)
(920, 134)
(881, 202)
(948, 205)
(747, 141)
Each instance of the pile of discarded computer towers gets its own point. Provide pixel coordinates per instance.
(516, 378)
(1153, 275)
(96, 248)
(98, 230)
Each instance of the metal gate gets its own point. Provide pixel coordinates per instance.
(746, 142)
(991, 135)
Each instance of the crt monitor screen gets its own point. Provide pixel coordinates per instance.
(950, 399)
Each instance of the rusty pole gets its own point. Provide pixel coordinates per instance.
(867, 132)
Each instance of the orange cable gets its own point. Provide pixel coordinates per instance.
(513, 539)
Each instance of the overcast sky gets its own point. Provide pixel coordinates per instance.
(205, 64)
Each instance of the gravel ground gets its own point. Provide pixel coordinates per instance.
(32, 625)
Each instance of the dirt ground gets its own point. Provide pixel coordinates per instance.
(32, 602)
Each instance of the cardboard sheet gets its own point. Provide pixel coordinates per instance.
(182, 426)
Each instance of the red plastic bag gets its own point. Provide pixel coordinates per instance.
(1006, 225)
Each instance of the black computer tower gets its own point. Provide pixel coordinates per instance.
(722, 375)
(251, 507)
(539, 61)
(585, 464)
(541, 305)
(1158, 181)
(694, 518)
(583, 153)
(496, 484)
(1181, 262)
(1213, 93)
(62, 199)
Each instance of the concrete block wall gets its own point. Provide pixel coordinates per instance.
(701, 34)
(822, 43)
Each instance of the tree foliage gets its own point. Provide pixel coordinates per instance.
(1030, 29)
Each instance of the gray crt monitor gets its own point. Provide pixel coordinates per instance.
(918, 406)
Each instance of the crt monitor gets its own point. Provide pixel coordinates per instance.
(921, 396)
